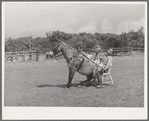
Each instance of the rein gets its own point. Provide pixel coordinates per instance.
(67, 60)
(59, 60)
(91, 60)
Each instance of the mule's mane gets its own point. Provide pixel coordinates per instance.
(64, 43)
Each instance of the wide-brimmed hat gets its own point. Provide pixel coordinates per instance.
(110, 51)
(97, 47)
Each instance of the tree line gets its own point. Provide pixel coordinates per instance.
(82, 40)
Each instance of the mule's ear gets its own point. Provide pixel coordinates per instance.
(55, 43)
(58, 40)
(49, 34)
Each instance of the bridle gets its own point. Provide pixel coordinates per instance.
(57, 54)
(68, 60)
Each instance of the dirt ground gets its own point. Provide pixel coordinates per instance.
(42, 84)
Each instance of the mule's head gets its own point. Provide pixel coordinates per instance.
(55, 43)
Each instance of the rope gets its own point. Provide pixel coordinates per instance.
(91, 60)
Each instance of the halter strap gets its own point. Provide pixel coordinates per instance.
(72, 57)
(68, 60)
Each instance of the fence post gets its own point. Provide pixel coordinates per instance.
(37, 55)
(139, 49)
(131, 50)
(30, 56)
(47, 56)
(23, 57)
(11, 57)
(16, 58)
(122, 49)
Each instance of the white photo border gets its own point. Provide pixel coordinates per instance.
(98, 113)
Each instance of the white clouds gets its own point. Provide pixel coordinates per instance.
(89, 28)
(138, 24)
(129, 24)
(29, 19)
(106, 25)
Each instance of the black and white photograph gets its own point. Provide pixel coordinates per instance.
(74, 60)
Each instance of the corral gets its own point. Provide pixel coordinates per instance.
(42, 84)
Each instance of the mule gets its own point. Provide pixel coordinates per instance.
(79, 61)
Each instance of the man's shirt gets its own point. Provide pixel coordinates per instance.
(106, 59)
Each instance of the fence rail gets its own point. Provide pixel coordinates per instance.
(119, 51)
(10, 56)
(36, 55)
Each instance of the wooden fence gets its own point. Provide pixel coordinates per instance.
(126, 51)
(36, 55)
(119, 51)
(10, 56)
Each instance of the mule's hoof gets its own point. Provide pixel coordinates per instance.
(83, 87)
(79, 86)
(99, 86)
(68, 86)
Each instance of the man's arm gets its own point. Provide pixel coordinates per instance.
(109, 62)
(96, 54)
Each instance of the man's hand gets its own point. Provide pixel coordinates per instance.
(94, 58)
(105, 68)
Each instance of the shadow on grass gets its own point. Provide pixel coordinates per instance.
(58, 85)
(72, 85)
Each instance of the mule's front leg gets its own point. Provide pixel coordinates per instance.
(71, 75)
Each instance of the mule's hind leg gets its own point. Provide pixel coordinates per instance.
(89, 77)
(83, 82)
(88, 81)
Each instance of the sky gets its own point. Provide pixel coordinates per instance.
(23, 19)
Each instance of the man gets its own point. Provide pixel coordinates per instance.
(97, 73)
(106, 59)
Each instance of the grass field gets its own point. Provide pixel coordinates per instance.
(42, 84)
